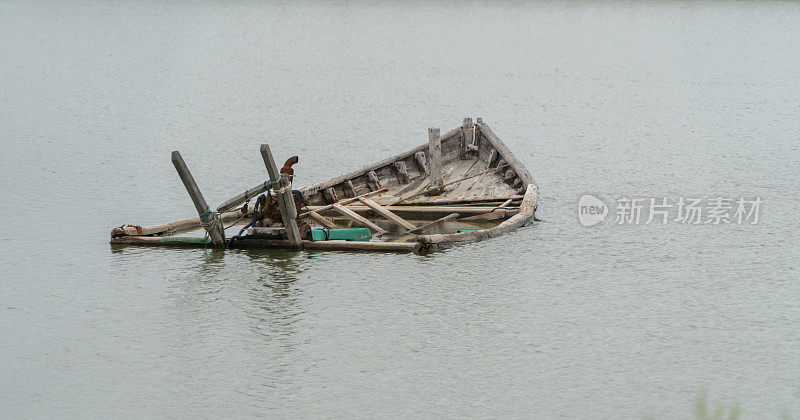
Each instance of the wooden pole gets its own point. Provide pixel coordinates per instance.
(285, 199)
(241, 198)
(435, 164)
(212, 224)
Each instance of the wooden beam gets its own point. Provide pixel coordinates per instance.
(377, 246)
(174, 227)
(435, 161)
(525, 215)
(449, 217)
(342, 202)
(241, 198)
(285, 199)
(324, 221)
(313, 189)
(359, 219)
(386, 213)
(211, 223)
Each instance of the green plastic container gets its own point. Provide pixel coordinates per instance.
(348, 234)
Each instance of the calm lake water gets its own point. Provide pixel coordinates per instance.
(615, 99)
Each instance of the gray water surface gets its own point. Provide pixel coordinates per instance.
(646, 99)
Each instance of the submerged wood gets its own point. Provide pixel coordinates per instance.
(383, 211)
(526, 210)
(277, 243)
(176, 226)
(449, 217)
(342, 202)
(358, 218)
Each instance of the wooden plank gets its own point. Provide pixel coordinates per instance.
(241, 198)
(525, 215)
(285, 199)
(312, 189)
(357, 218)
(342, 202)
(386, 213)
(434, 161)
(210, 223)
(175, 226)
(324, 221)
(425, 210)
(505, 152)
(374, 246)
(449, 217)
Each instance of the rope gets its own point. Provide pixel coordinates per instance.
(210, 220)
(282, 190)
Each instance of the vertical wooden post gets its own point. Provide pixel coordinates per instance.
(466, 139)
(435, 163)
(285, 199)
(211, 224)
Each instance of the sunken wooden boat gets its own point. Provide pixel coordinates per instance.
(462, 186)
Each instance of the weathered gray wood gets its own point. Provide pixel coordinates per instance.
(402, 172)
(449, 217)
(421, 160)
(349, 188)
(526, 210)
(386, 213)
(285, 199)
(435, 162)
(504, 151)
(241, 198)
(267, 232)
(280, 243)
(492, 158)
(330, 195)
(174, 227)
(517, 183)
(465, 139)
(342, 202)
(358, 219)
(422, 210)
(210, 223)
(509, 176)
(476, 201)
(312, 189)
(441, 188)
(373, 181)
(321, 219)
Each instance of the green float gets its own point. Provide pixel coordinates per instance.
(347, 234)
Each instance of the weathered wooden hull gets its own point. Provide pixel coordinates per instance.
(482, 181)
